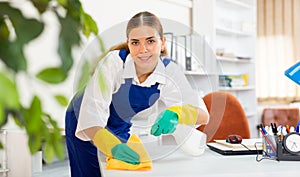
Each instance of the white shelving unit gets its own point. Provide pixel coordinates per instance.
(235, 31)
(235, 35)
(230, 27)
(195, 56)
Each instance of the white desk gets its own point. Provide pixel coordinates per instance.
(211, 164)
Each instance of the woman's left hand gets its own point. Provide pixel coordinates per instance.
(165, 124)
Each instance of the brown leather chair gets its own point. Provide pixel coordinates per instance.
(227, 116)
(280, 116)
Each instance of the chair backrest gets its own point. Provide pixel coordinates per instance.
(281, 116)
(227, 116)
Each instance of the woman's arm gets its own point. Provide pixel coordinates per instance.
(94, 110)
(90, 132)
(203, 117)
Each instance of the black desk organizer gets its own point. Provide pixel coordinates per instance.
(283, 155)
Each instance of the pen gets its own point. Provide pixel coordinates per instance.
(297, 127)
(287, 127)
(274, 128)
(268, 141)
(292, 129)
(281, 132)
(263, 129)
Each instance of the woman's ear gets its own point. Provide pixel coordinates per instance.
(163, 43)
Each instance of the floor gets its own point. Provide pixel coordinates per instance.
(57, 169)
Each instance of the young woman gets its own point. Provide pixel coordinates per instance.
(136, 75)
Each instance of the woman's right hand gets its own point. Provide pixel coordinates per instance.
(111, 146)
(124, 153)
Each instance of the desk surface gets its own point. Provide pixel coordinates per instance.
(211, 164)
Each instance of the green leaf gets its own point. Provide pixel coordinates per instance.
(18, 116)
(55, 138)
(62, 100)
(89, 25)
(52, 75)
(41, 5)
(59, 149)
(25, 29)
(68, 37)
(84, 76)
(33, 116)
(54, 145)
(34, 125)
(49, 152)
(53, 123)
(73, 9)
(63, 3)
(35, 142)
(11, 53)
(65, 52)
(102, 45)
(69, 30)
(9, 96)
(4, 32)
(1, 114)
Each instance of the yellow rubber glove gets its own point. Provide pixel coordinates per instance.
(105, 141)
(111, 146)
(136, 144)
(187, 114)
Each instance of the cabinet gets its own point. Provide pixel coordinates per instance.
(230, 26)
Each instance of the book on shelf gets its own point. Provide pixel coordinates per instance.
(239, 80)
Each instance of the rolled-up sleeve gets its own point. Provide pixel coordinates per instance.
(94, 110)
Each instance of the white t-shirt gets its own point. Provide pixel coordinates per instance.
(173, 85)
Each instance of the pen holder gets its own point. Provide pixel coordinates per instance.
(286, 146)
(270, 146)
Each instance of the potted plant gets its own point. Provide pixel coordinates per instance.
(16, 32)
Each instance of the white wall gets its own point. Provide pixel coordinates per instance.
(112, 12)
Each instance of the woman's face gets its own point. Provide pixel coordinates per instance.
(145, 46)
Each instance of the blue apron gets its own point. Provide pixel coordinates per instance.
(126, 102)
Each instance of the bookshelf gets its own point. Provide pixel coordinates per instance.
(235, 36)
(230, 28)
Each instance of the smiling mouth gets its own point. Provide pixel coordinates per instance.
(145, 58)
